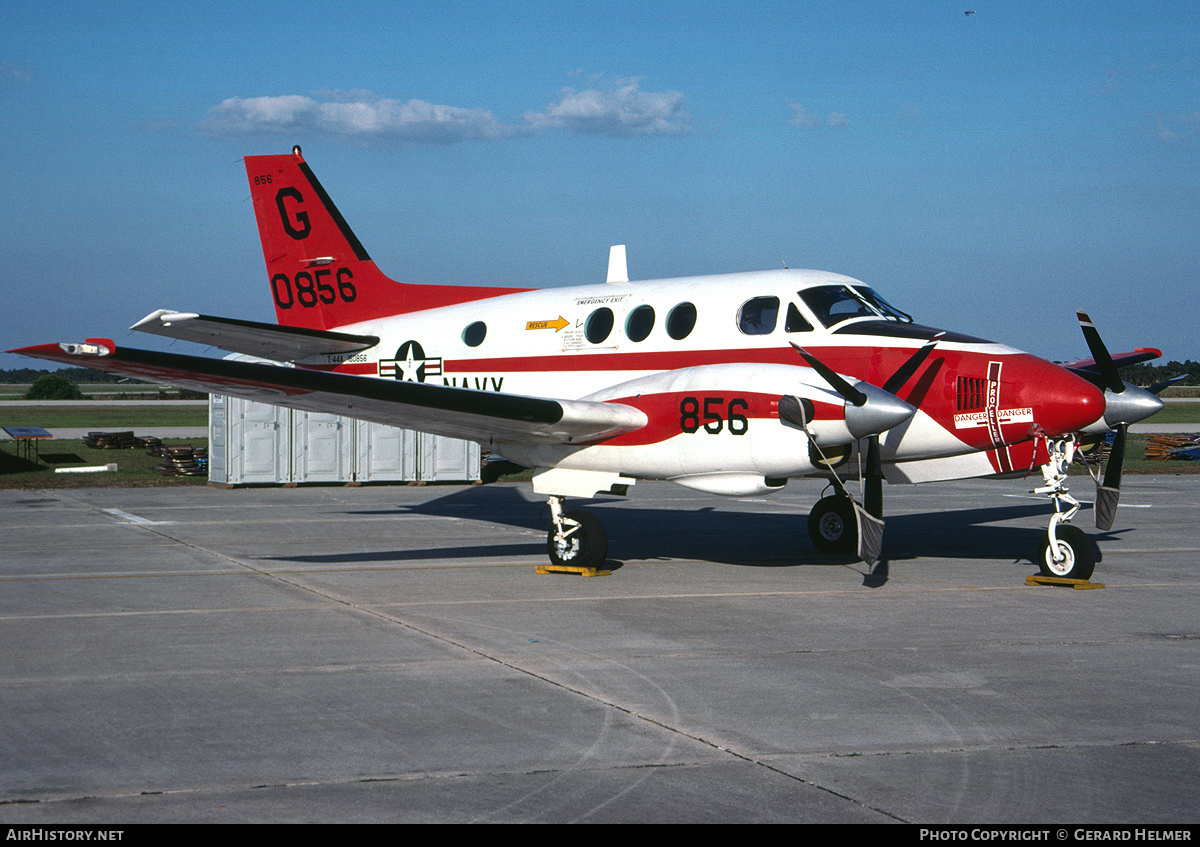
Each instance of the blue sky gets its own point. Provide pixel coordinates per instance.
(989, 173)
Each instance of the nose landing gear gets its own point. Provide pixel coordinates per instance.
(1066, 551)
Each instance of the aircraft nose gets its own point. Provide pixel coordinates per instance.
(1062, 401)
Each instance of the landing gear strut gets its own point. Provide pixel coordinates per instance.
(577, 539)
(1066, 551)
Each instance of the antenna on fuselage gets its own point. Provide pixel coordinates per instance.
(618, 271)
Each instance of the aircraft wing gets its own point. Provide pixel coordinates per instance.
(1088, 368)
(484, 416)
(262, 340)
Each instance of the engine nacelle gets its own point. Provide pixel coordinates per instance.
(719, 428)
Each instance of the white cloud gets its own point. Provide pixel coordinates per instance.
(803, 118)
(414, 120)
(627, 111)
(1166, 135)
(14, 73)
(624, 112)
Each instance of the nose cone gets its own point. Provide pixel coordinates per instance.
(1130, 406)
(881, 411)
(1062, 402)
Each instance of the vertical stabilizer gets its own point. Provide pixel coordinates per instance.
(320, 275)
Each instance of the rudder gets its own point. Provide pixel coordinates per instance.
(321, 277)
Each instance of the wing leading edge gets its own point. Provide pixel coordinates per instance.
(264, 341)
(484, 416)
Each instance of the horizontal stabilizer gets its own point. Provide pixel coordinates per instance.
(488, 417)
(261, 340)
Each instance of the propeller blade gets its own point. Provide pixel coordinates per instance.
(1158, 387)
(902, 374)
(1116, 458)
(849, 393)
(873, 484)
(1108, 493)
(1108, 371)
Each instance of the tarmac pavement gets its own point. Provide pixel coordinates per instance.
(389, 654)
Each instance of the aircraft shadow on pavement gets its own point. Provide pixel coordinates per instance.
(714, 533)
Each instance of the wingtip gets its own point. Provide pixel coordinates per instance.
(64, 351)
(34, 349)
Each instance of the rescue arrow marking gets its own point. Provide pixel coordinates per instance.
(556, 325)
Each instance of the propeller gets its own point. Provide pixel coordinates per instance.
(1123, 405)
(896, 381)
(869, 411)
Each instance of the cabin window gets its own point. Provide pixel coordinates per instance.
(681, 321)
(639, 323)
(599, 325)
(795, 321)
(759, 316)
(474, 334)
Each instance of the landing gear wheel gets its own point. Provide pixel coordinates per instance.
(584, 545)
(1075, 549)
(831, 525)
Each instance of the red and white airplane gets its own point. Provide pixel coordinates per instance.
(729, 384)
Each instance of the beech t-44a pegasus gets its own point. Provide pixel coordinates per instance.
(729, 384)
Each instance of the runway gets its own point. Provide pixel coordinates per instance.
(388, 654)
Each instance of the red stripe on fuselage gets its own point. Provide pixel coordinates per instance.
(1061, 401)
(715, 412)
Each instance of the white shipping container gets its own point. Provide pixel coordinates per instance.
(257, 443)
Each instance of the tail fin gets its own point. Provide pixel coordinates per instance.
(321, 277)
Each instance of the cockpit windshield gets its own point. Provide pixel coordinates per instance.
(833, 304)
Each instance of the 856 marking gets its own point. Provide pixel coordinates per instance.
(714, 415)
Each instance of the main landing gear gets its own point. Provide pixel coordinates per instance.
(577, 539)
(1066, 551)
(831, 525)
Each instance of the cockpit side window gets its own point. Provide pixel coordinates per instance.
(795, 321)
(759, 316)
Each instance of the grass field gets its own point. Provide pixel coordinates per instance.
(135, 468)
(102, 391)
(101, 417)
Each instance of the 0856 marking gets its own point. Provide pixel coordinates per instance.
(309, 288)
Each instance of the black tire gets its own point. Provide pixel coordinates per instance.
(831, 525)
(586, 547)
(1078, 549)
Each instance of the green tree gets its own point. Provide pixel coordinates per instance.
(53, 387)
